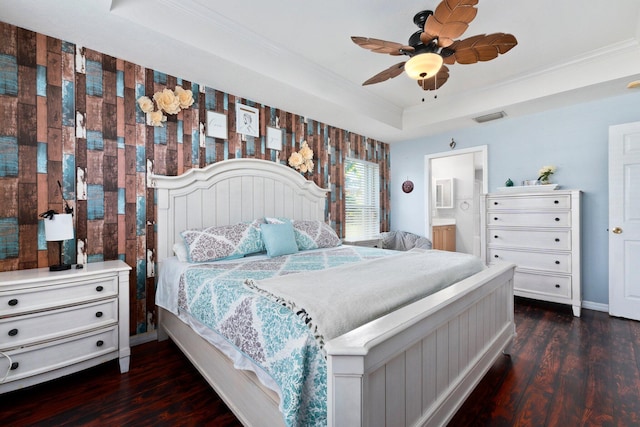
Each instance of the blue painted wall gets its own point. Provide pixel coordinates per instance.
(574, 139)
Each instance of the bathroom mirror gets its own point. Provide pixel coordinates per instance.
(444, 193)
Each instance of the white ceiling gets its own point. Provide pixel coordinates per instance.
(298, 56)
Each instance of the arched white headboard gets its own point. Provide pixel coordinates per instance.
(229, 192)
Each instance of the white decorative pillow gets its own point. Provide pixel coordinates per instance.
(310, 234)
(180, 251)
(222, 242)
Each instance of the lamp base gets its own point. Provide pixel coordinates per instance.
(60, 267)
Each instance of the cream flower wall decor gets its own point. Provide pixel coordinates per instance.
(167, 101)
(303, 159)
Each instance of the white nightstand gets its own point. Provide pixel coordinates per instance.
(56, 323)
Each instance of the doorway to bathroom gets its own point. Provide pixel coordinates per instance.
(455, 183)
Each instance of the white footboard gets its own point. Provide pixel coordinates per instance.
(416, 366)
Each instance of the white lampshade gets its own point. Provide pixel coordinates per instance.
(59, 228)
(423, 66)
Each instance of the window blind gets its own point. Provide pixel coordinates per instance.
(362, 200)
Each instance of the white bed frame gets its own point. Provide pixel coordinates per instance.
(415, 366)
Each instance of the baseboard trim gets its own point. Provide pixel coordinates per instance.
(143, 338)
(597, 306)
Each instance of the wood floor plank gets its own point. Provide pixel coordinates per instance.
(574, 356)
(563, 371)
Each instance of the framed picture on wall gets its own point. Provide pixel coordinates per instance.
(274, 138)
(217, 125)
(247, 120)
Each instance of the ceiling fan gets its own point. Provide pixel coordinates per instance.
(434, 45)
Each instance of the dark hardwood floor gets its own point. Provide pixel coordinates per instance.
(563, 371)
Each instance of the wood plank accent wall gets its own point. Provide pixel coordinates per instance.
(68, 114)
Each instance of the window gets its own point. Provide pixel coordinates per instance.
(362, 200)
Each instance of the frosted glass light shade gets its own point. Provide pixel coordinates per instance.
(423, 66)
(59, 228)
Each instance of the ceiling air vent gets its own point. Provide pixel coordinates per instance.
(489, 117)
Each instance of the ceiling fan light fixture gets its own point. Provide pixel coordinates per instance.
(423, 66)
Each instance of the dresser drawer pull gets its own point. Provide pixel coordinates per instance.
(99, 314)
(13, 332)
(13, 302)
(557, 219)
(100, 343)
(495, 237)
(495, 218)
(557, 286)
(495, 203)
(99, 288)
(14, 366)
(496, 256)
(557, 262)
(556, 202)
(557, 240)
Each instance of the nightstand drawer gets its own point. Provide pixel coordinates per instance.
(52, 296)
(530, 219)
(38, 359)
(538, 239)
(48, 325)
(560, 262)
(542, 284)
(560, 201)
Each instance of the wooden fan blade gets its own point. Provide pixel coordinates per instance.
(480, 48)
(387, 74)
(450, 19)
(436, 81)
(382, 46)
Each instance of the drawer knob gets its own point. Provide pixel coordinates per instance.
(495, 218)
(13, 302)
(495, 203)
(556, 202)
(496, 256)
(557, 219)
(557, 262)
(99, 288)
(13, 332)
(100, 343)
(99, 314)
(557, 240)
(495, 237)
(557, 286)
(14, 366)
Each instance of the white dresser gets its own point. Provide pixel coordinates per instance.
(540, 233)
(56, 323)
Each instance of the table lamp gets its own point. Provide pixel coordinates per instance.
(57, 228)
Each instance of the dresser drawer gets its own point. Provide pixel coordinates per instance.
(34, 360)
(538, 239)
(560, 201)
(542, 284)
(52, 296)
(529, 219)
(48, 325)
(560, 262)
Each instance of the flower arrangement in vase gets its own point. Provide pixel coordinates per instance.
(167, 101)
(545, 173)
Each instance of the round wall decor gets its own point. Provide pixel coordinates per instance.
(407, 186)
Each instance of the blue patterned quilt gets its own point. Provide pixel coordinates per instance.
(278, 341)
